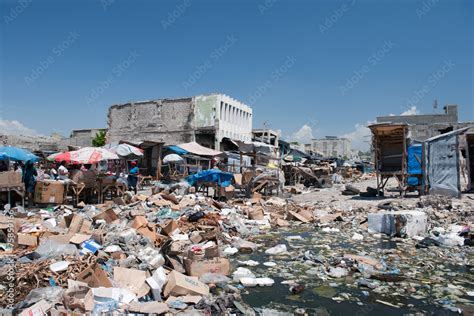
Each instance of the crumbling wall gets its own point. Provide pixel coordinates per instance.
(167, 121)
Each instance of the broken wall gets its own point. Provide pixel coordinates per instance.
(165, 120)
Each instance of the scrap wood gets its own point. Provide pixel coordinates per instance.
(33, 275)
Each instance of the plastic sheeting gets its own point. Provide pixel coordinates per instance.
(223, 179)
(443, 164)
(414, 163)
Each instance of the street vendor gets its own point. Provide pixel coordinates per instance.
(132, 179)
(29, 179)
(53, 173)
(63, 173)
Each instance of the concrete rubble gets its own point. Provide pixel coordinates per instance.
(186, 253)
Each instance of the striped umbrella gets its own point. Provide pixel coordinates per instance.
(86, 155)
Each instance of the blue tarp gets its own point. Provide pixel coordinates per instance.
(223, 179)
(177, 150)
(16, 154)
(414, 163)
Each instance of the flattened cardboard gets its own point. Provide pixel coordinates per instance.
(200, 267)
(139, 221)
(39, 309)
(299, 217)
(148, 231)
(169, 197)
(157, 308)
(79, 238)
(256, 213)
(180, 284)
(132, 279)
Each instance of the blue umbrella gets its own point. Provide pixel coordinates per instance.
(15, 153)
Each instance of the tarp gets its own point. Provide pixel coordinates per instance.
(177, 150)
(195, 148)
(16, 154)
(223, 179)
(414, 163)
(442, 163)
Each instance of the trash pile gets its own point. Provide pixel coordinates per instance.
(177, 252)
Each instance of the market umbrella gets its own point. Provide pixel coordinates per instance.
(124, 150)
(52, 156)
(86, 155)
(17, 154)
(172, 158)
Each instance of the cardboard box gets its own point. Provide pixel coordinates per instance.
(78, 224)
(47, 192)
(200, 267)
(94, 276)
(108, 215)
(256, 213)
(10, 178)
(10, 225)
(27, 239)
(180, 284)
(132, 279)
(170, 228)
(139, 221)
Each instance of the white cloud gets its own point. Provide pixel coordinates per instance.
(360, 137)
(411, 111)
(303, 135)
(15, 127)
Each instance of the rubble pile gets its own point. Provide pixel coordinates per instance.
(171, 253)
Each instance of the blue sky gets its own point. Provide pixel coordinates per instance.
(307, 68)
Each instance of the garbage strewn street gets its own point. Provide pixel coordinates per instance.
(182, 253)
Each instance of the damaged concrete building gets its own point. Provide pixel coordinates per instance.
(425, 126)
(210, 120)
(205, 119)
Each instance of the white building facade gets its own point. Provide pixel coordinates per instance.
(332, 146)
(230, 117)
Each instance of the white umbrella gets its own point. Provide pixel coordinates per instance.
(172, 158)
(124, 150)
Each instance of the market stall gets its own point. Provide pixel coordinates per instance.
(11, 181)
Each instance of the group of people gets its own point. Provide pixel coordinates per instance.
(31, 172)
